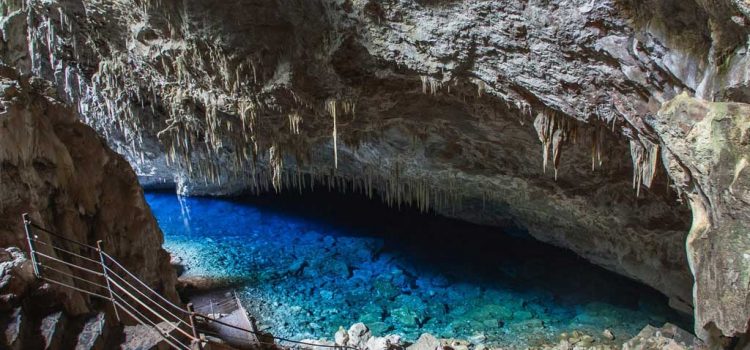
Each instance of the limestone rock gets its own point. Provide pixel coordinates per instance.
(94, 333)
(341, 337)
(667, 337)
(378, 343)
(706, 151)
(16, 276)
(426, 341)
(61, 172)
(359, 335)
(15, 329)
(53, 330)
(143, 337)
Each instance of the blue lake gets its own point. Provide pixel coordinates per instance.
(307, 265)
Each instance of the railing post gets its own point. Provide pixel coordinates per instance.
(106, 278)
(32, 250)
(196, 339)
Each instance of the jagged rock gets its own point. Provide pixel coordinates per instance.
(390, 342)
(378, 343)
(94, 333)
(341, 337)
(14, 337)
(359, 334)
(706, 151)
(16, 276)
(667, 337)
(140, 337)
(61, 172)
(425, 342)
(53, 330)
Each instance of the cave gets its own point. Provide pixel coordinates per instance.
(375, 175)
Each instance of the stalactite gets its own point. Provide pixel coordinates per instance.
(430, 85)
(645, 157)
(294, 120)
(331, 108)
(543, 124)
(481, 87)
(553, 131)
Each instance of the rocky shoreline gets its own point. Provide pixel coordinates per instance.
(359, 336)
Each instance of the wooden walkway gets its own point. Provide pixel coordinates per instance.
(224, 306)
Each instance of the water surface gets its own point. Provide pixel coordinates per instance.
(310, 264)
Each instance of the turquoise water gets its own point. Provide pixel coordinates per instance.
(307, 265)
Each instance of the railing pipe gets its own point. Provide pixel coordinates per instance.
(114, 273)
(106, 278)
(147, 287)
(196, 341)
(32, 250)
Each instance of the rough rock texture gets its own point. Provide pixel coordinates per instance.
(668, 336)
(436, 103)
(61, 172)
(707, 149)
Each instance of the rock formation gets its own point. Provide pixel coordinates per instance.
(61, 172)
(439, 104)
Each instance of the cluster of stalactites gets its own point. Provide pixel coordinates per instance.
(645, 157)
(391, 185)
(430, 85)
(193, 74)
(553, 130)
(294, 120)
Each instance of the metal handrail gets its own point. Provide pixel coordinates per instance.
(144, 295)
(69, 264)
(73, 276)
(145, 321)
(178, 308)
(107, 274)
(149, 308)
(120, 302)
(65, 251)
(74, 287)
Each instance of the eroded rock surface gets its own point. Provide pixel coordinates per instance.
(436, 103)
(61, 172)
(707, 149)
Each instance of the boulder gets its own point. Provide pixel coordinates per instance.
(426, 341)
(668, 337)
(359, 334)
(94, 333)
(53, 330)
(341, 337)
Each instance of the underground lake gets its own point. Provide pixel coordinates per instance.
(306, 265)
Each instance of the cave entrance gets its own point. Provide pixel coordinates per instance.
(305, 265)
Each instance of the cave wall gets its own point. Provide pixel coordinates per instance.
(533, 113)
(62, 173)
